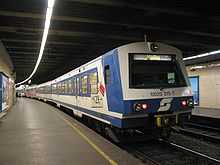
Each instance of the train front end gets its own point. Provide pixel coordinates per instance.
(155, 88)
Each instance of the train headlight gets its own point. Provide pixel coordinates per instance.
(140, 107)
(186, 103)
(144, 106)
(154, 47)
(183, 103)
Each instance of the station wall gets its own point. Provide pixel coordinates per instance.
(6, 70)
(209, 86)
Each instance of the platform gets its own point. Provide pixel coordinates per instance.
(34, 132)
(2, 114)
(206, 112)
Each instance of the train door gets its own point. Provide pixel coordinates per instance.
(113, 83)
(77, 97)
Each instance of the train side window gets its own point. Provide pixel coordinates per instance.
(58, 88)
(84, 80)
(74, 87)
(93, 78)
(62, 87)
(66, 87)
(55, 88)
(70, 87)
(107, 74)
(49, 89)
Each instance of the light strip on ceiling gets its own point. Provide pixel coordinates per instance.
(202, 55)
(44, 39)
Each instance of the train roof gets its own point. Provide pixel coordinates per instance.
(72, 72)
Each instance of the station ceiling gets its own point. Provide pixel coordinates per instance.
(84, 29)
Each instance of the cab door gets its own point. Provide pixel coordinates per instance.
(113, 83)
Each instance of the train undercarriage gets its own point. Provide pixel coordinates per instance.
(162, 126)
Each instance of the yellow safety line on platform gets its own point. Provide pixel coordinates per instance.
(103, 154)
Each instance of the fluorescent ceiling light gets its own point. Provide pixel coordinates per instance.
(198, 67)
(51, 3)
(212, 65)
(202, 55)
(44, 39)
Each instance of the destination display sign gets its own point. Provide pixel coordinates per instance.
(152, 57)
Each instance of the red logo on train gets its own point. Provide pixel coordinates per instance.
(102, 89)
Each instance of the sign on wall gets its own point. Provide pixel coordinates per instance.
(4, 89)
(194, 81)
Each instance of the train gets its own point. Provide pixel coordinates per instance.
(137, 87)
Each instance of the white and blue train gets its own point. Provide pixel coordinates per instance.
(140, 85)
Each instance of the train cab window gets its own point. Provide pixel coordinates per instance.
(93, 78)
(107, 74)
(84, 80)
(154, 71)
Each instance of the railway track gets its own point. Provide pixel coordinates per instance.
(161, 152)
(201, 131)
(199, 154)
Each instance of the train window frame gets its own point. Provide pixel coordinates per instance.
(93, 86)
(70, 86)
(78, 86)
(66, 87)
(62, 87)
(59, 88)
(173, 58)
(74, 92)
(107, 77)
(84, 84)
(54, 88)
